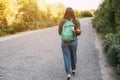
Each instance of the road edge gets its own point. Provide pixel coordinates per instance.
(20, 34)
(106, 70)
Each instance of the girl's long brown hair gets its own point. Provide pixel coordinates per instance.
(69, 14)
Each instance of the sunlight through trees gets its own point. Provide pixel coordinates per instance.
(22, 15)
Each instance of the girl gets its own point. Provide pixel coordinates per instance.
(69, 48)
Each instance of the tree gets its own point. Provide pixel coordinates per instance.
(107, 21)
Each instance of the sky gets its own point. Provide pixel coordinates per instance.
(78, 4)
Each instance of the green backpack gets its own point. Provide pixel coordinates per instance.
(67, 31)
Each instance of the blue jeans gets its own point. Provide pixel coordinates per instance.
(69, 54)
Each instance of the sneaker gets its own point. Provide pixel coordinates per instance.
(68, 76)
(73, 72)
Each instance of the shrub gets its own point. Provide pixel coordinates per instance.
(118, 69)
(86, 14)
(2, 33)
(6, 30)
(107, 21)
(112, 49)
(18, 27)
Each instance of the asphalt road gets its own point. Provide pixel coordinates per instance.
(37, 55)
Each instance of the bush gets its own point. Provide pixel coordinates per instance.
(118, 69)
(107, 21)
(2, 33)
(112, 49)
(6, 30)
(86, 14)
(19, 27)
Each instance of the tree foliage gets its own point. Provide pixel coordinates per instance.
(22, 15)
(107, 22)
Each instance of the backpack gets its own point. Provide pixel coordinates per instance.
(67, 31)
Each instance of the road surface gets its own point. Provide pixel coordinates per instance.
(37, 55)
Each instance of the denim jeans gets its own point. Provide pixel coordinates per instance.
(69, 54)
